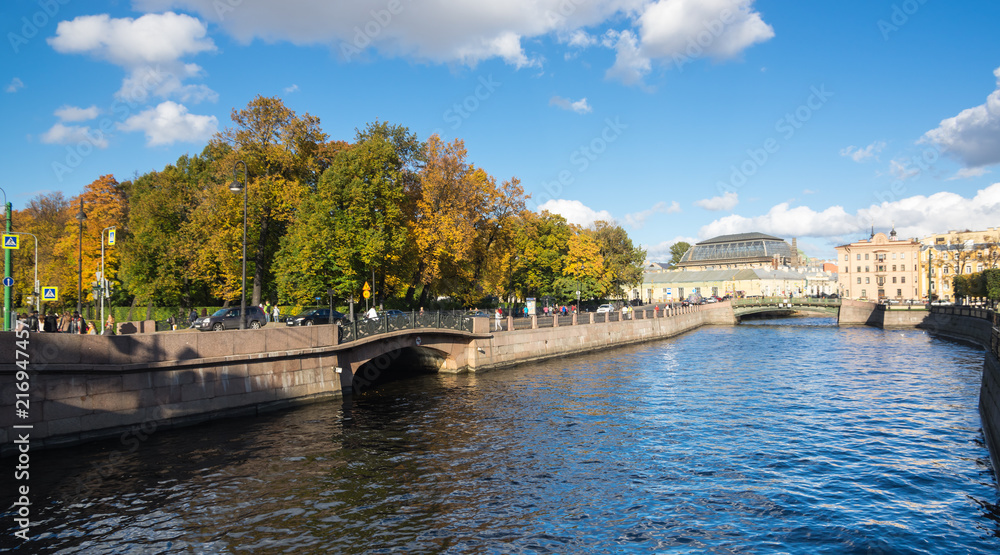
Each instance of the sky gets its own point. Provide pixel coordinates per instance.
(678, 119)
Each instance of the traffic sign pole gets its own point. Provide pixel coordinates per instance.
(6, 272)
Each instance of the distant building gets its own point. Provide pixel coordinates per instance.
(881, 267)
(740, 251)
(677, 285)
(956, 253)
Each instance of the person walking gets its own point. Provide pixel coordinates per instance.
(109, 326)
(33, 321)
(64, 322)
(51, 323)
(499, 322)
(192, 317)
(276, 313)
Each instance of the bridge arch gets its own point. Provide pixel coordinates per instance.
(397, 355)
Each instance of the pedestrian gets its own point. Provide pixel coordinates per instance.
(372, 314)
(64, 322)
(172, 322)
(33, 321)
(19, 322)
(276, 313)
(51, 323)
(109, 326)
(192, 317)
(499, 315)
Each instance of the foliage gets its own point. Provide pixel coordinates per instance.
(677, 250)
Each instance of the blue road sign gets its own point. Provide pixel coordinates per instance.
(50, 294)
(8, 281)
(10, 241)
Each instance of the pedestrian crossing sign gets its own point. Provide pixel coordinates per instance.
(50, 294)
(111, 236)
(10, 241)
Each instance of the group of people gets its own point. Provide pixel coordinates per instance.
(65, 323)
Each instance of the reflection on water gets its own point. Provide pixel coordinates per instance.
(790, 436)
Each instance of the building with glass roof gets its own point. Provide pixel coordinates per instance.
(741, 250)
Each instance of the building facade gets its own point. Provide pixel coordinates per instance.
(880, 268)
(945, 255)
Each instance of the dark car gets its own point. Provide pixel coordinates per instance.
(229, 319)
(314, 316)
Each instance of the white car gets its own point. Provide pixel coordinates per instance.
(605, 308)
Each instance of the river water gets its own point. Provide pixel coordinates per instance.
(790, 436)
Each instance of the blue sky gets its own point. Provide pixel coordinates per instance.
(679, 119)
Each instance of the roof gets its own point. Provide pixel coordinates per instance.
(738, 237)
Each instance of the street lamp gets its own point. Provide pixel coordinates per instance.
(79, 283)
(236, 187)
(7, 269)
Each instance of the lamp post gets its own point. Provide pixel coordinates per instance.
(6, 265)
(79, 270)
(236, 187)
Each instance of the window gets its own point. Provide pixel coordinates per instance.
(859, 281)
(894, 279)
(859, 257)
(968, 269)
(866, 256)
(899, 292)
(847, 257)
(894, 256)
(902, 255)
(902, 279)
(866, 269)
(979, 267)
(868, 280)
(859, 269)
(863, 294)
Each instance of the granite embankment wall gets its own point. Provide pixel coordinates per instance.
(84, 387)
(507, 349)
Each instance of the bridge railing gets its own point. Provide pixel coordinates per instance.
(780, 302)
(389, 322)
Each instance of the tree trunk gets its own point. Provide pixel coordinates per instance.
(135, 301)
(149, 310)
(258, 271)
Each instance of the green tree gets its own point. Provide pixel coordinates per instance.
(622, 261)
(677, 250)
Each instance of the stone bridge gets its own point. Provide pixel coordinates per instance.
(781, 305)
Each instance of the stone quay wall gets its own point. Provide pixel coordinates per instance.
(517, 347)
(86, 387)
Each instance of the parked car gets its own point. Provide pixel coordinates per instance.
(605, 308)
(229, 319)
(314, 316)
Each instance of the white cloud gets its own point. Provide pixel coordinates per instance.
(578, 106)
(150, 48)
(447, 31)
(575, 212)
(638, 219)
(15, 85)
(861, 154)
(809, 192)
(726, 202)
(966, 173)
(73, 113)
(170, 122)
(292, 88)
(973, 136)
(631, 66)
(61, 134)
(915, 216)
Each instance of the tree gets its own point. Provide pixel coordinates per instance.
(677, 250)
(355, 222)
(45, 216)
(280, 150)
(542, 243)
(622, 261)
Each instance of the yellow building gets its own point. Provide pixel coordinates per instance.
(956, 253)
(880, 268)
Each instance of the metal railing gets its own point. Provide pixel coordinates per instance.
(390, 322)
